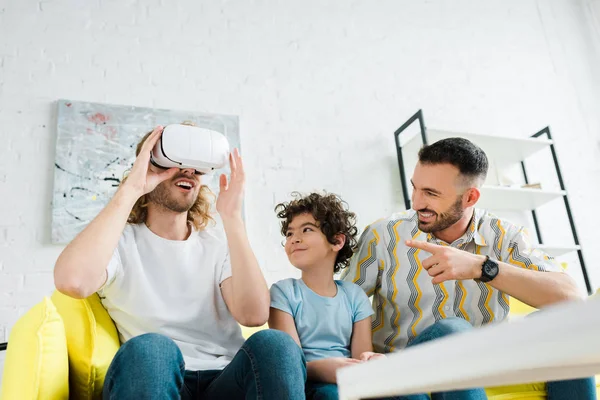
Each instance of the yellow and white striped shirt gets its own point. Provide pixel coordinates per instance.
(404, 299)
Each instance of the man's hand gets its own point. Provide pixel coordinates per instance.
(369, 355)
(448, 263)
(324, 370)
(231, 195)
(144, 177)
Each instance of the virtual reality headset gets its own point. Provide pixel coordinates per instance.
(184, 146)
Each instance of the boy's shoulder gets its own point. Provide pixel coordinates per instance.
(286, 284)
(288, 289)
(351, 288)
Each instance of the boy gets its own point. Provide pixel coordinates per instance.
(329, 319)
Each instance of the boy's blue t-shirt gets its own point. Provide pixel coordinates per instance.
(324, 324)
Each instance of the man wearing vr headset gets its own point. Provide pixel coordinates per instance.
(177, 290)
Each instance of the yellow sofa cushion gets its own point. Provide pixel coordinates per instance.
(92, 342)
(527, 391)
(247, 331)
(36, 364)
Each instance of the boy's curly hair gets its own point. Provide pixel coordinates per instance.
(332, 216)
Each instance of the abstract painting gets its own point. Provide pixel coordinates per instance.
(95, 147)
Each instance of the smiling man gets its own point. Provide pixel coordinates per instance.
(177, 290)
(446, 266)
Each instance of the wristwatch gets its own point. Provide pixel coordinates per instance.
(489, 270)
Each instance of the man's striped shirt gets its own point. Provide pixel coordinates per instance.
(404, 299)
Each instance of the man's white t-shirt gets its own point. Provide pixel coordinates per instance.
(173, 288)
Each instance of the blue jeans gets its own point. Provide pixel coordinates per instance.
(321, 391)
(270, 365)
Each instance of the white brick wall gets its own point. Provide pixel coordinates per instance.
(319, 90)
(593, 16)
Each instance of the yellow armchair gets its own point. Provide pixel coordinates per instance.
(62, 348)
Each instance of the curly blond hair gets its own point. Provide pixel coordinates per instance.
(198, 215)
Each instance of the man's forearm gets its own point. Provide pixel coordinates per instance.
(81, 267)
(251, 298)
(538, 289)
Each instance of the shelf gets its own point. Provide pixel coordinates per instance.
(502, 150)
(556, 251)
(515, 198)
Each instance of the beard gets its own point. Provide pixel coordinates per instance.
(165, 198)
(444, 220)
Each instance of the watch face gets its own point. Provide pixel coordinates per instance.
(489, 270)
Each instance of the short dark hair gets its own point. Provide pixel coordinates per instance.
(332, 216)
(470, 160)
